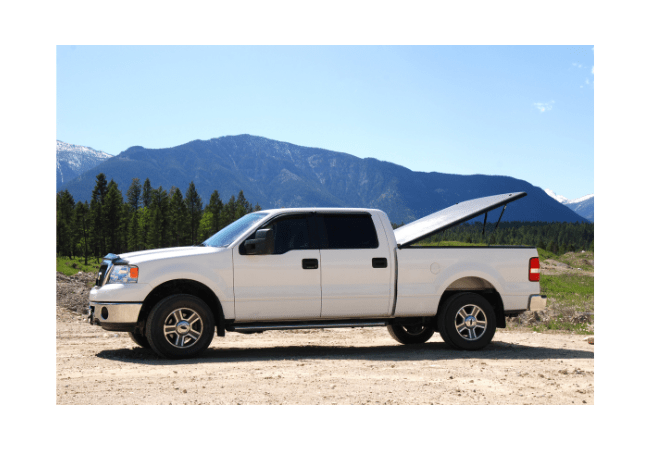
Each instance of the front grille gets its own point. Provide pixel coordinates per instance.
(101, 275)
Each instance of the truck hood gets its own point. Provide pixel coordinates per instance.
(165, 253)
(448, 217)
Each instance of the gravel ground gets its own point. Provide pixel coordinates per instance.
(341, 366)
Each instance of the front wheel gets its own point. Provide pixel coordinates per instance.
(467, 321)
(411, 334)
(180, 326)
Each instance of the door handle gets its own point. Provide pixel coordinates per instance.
(310, 264)
(379, 263)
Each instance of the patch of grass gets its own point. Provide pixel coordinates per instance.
(70, 266)
(566, 285)
(570, 305)
(544, 254)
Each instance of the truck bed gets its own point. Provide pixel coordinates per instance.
(425, 273)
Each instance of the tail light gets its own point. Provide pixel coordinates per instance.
(533, 269)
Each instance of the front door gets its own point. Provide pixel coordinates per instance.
(284, 285)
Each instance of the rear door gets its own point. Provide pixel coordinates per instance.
(355, 277)
(286, 284)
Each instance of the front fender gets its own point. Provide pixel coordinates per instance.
(211, 270)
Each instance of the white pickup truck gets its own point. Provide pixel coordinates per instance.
(302, 268)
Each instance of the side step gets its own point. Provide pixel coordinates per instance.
(262, 326)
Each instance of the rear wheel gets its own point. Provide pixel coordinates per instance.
(411, 334)
(139, 339)
(467, 321)
(180, 326)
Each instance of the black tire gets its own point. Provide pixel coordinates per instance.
(411, 334)
(457, 332)
(183, 339)
(139, 339)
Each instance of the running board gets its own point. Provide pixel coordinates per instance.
(259, 327)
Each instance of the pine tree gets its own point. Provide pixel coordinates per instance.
(124, 227)
(154, 229)
(228, 212)
(98, 225)
(159, 221)
(83, 227)
(134, 194)
(215, 207)
(114, 222)
(245, 205)
(65, 223)
(133, 239)
(144, 223)
(178, 214)
(146, 193)
(194, 207)
(205, 225)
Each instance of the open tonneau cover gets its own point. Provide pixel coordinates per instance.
(448, 217)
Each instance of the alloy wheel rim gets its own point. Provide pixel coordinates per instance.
(471, 322)
(183, 328)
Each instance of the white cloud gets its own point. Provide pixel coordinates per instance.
(579, 66)
(543, 107)
(592, 70)
(587, 80)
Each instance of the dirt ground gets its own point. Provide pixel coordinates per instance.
(338, 366)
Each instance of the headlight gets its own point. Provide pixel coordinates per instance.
(123, 274)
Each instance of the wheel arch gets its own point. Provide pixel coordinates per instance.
(183, 286)
(480, 286)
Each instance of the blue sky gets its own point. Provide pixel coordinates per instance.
(521, 111)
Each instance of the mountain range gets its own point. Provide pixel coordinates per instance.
(279, 174)
(584, 206)
(73, 160)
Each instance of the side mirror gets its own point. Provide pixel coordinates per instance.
(263, 244)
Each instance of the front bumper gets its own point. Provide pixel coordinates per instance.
(536, 302)
(108, 314)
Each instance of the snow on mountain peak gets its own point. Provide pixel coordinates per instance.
(583, 205)
(73, 160)
(581, 199)
(559, 198)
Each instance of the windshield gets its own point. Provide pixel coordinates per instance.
(227, 235)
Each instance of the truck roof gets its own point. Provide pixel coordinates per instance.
(319, 209)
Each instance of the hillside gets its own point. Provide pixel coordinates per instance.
(280, 174)
(73, 160)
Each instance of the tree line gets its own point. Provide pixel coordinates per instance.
(148, 218)
(556, 237)
(154, 218)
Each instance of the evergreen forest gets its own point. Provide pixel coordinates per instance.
(555, 237)
(147, 218)
(154, 218)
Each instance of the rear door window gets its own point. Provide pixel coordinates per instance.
(347, 231)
